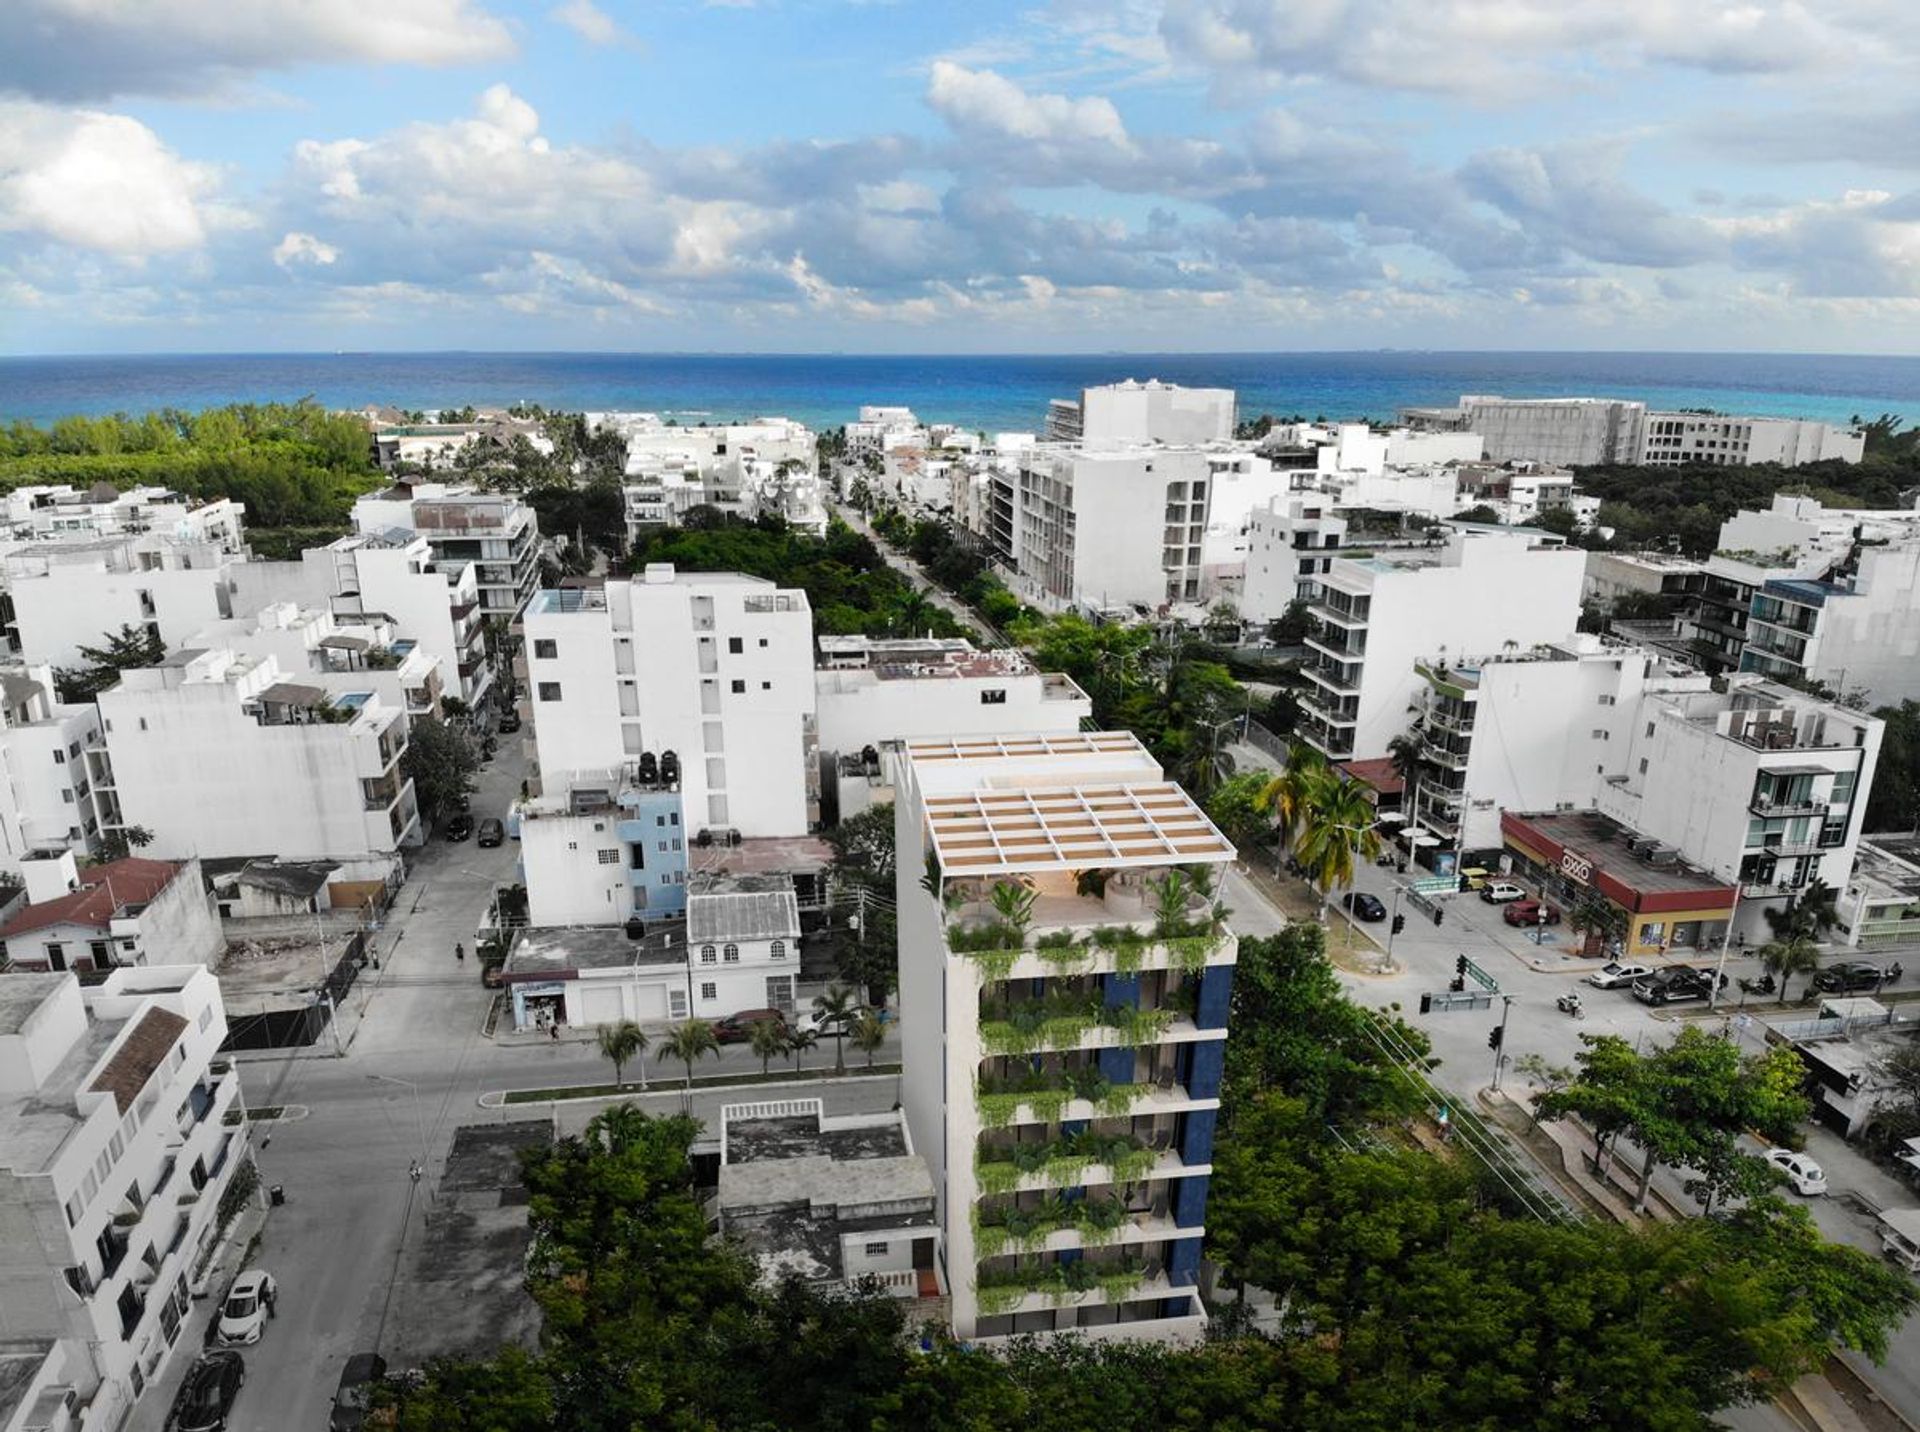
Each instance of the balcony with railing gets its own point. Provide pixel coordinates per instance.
(1339, 677)
(1338, 645)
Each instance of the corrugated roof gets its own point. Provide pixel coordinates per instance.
(139, 1054)
(741, 915)
(103, 889)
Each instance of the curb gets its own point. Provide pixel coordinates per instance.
(497, 1098)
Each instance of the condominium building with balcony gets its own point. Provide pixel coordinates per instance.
(496, 533)
(369, 649)
(1291, 543)
(62, 512)
(1588, 431)
(46, 791)
(114, 1155)
(70, 594)
(1484, 589)
(1064, 988)
(714, 669)
(218, 754)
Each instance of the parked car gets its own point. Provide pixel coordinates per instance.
(1364, 906)
(353, 1398)
(1528, 913)
(1675, 985)
(738, 1028)
(1499, 892)
(459, 826)
(509, 723)
(1615, 975)
(243, 1317)
(1809, 1180)
(1849, 975)
(492, 833)
(206, 1397)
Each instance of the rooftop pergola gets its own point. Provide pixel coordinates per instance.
(988, 748)
(992, 832)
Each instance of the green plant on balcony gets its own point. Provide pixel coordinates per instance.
(1117, 1283)
(1136, 1026)
(1075, 1280)
(1091, 884)
(994, 965)
(1170, 894)
(1014, 905)
(997, 1297)
(1000, 1099)
(1063, 952)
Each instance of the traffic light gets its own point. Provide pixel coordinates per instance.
(1438, 914)
(1426, 1004)
(1495, 1035)
(1460, 964)
(1399, 923)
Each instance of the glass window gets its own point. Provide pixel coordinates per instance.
(707, 954)
(545, 648)
(733, 954)
(709, 991)
(549, 691)
(778, 949)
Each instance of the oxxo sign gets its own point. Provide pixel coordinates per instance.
(1576, 867)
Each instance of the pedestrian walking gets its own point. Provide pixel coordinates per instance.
(460, 953)
(553, 1028)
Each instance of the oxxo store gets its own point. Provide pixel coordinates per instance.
(1672, 908)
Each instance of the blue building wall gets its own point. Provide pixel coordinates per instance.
(654, 846)
(1216, 994)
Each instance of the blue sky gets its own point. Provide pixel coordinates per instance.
(181, 175)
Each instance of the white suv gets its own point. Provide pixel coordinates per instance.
(1500, 892)
(1809, 1180)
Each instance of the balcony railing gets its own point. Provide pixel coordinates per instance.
(1802, 805)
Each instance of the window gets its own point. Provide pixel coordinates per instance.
(59, 758)
(766, 686)
(1643, 765)
(739, 687)
(778, 949)
(709, 991)
(676, 1004)
(995, 696)
(876, 1250)
(663, 847)
(763, 641)
(1599, 733)
(733, 954)
(549, 691)
(1649, 728)
(706, 954)
(546, 648)
(735, 645)
(609, 857)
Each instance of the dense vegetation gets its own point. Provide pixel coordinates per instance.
(848, 583)
(292, 464)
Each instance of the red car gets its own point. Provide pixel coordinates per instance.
(1527, 913)
(738, 1028)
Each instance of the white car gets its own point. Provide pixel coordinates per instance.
(243, 1317)
(1618, 976)
(1809, 1180)
(1499, 892)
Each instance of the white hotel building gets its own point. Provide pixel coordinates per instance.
(114, 1155)
(1112, 1051)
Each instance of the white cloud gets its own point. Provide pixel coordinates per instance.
(97, 181)
(591, 23)
(92, 49)
(985, 101)
(298, 248)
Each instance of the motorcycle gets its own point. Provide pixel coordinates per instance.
(1570, 1004)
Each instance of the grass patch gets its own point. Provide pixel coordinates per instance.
(667, 1086)
(270, 1111)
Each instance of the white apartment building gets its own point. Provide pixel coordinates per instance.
(1139, 515)
(395, 576)
(126, 912)
(223, 755)
(713, 667)
(1590, 431)
(496, 533)
(881, 428)
(1485, 588)
(63, 513)
(1752, 781)
(46, 793)
(873, 695)
(315, 640)
(70, 594)
(1129, 413)
(1126, 1069)
(1614, 575)
(1353, 450)
(605, 847)
(114, 1155)
(1291, 543)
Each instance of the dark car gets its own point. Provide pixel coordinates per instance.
(1675, 985)
(738, 1028)
(492, 832)
(509, 723)
(493, 973)
(207, 1395)
(1528, 913)
(1364, 906)
(1849, 975)
(354, 1396)
(459, 826)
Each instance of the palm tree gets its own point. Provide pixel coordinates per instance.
(869, 1033)
(1292, 793)
(1205, 764)
(1789, 956)
(1808, 915)
(621, 1041)
(1338, 827)
(767, 1039)
(840, 1006)
(1404, 751)
(1598, 918)
(691, 1039)
(798, 1042)
(913, 614)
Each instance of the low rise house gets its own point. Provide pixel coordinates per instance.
(1881, 902)
(125, 912)
(114, 1156)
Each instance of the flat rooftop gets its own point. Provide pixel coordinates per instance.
(1604, 842)
(545, 951)
(20, 1363)
(35, 1126)
(801, 1136)
(24, 992)
(1888, 866)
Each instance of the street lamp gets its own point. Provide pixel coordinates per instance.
(420, 1123)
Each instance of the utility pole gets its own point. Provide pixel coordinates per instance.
(1497, 1038)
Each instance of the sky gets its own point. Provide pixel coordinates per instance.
(930, 176)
